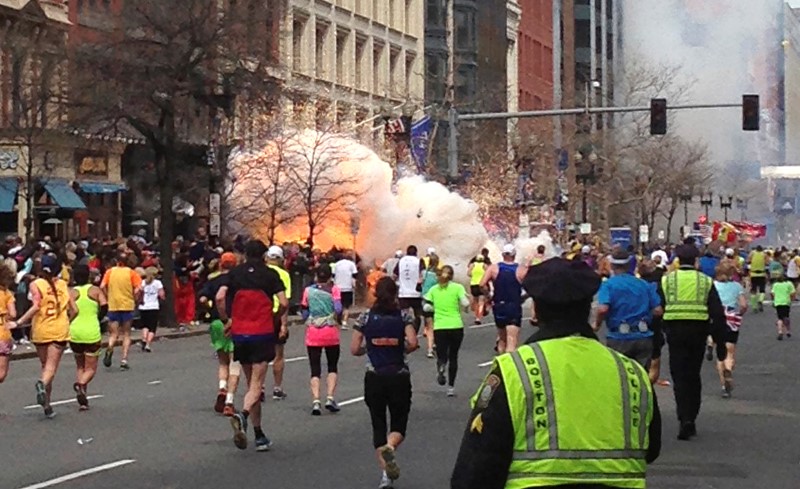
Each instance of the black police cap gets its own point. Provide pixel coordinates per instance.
(561, 282)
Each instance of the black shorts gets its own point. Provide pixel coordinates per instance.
(347, 299)
(149, 319)
(476, 291)
(507, 315)
(731, 337)
(278, 340)
(414, 303)
(758, 284)
(251, 352)
(783, 311)
(85, 348)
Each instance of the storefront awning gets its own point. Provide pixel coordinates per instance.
(101, 187)
(8, 194)
(61, 192)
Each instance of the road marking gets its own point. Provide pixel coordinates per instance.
(59, 403)
(290, 360)
(485, 364)
(351, 401)
(78, 475)
(155, 382)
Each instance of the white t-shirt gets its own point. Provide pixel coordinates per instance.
(343, 272)
(409, 277)
(151, 295)
(792, 269)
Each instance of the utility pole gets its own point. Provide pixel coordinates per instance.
(450, 95)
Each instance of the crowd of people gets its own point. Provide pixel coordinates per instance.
(58, 296)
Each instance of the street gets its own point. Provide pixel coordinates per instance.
(154, 428)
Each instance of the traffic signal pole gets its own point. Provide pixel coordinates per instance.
(454, 118)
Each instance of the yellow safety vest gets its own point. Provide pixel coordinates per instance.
(686, 293)
(758, 264)
(605, 400)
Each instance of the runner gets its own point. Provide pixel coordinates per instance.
(345, 272)
(733, 298)
(275, 262)
(122, 286)
(476, 270)
(150, 308)
(409, 272)
(385, 334)
(429, 279)
(507, 298)
(51, 311)
(228, 370)
(84, 331)
(445, 300)
(246, 304)
(322, 309)
(757, 262)
(783, 293)
(8, 311)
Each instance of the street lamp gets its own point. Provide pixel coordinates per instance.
(685, 197)
(586, 176)
(707, 200)
(726, 203)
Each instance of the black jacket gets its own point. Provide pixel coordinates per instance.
(485, 457)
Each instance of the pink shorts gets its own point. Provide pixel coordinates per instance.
(6, 347)
(327, 336)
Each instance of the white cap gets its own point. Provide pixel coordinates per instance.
(275, 252)
(586, 249)
(398, 253)
(431, 251)
(509, 249)
(729, 252)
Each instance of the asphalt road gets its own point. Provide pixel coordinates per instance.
(154, 427)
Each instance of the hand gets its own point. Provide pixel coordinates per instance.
(227, 330)
(284, 332)
(11, 324)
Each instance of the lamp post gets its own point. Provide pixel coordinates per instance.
(586, 176)
(707, 200)
(726, 203)
(685, 197)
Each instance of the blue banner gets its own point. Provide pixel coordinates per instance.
(621, 236)
(420, 140)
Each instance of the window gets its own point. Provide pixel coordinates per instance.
(465, 29)
(392, 14)
(409, 73)
(297, 45)
(341, 51)
(319, 55)
(407, 16)
(434, 15)
(394, 66)
(465, 83)
(434, 77)
(377, 75)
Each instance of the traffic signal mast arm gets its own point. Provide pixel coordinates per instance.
(579, 111)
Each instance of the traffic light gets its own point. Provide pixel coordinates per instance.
(658, 116)
(751, 113)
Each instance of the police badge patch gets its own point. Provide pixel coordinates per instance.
(490, 385)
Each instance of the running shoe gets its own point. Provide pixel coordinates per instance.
(392, 469)
(107, 358)
(780, 336)
(788, 335)
(430, 354)
(316, 409)
(440, 375)
(726, 393)
(67, 351)
(123, 365)
(239, 424)
(228, 411)
(709, 353)
(263, 444)
(147, 349)
(263, 397)
(477, 322)
(278, 394)
(41, 393)
(331, 405)
(451, 392)
(80, 392)
(386, 482)
(727, 376)
(144, 346)
(49, 413)
(219, 405)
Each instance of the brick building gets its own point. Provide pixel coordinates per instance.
(535, 55)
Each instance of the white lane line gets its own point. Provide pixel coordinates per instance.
(290, 360)
(485, 364)
(351, 401)
(155, 382)
(78, 475)
(59, 403)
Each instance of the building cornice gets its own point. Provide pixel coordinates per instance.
(514, 14)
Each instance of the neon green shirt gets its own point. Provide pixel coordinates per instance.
(287, 283)
(782, 291)
(447, 305)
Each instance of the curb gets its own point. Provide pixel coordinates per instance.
(171, 335)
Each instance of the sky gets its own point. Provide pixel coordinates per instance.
(794, 3)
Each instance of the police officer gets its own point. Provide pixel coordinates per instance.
(567, 412)
(692, 311)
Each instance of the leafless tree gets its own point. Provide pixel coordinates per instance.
(171, 70)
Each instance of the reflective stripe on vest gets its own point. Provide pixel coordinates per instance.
(546, 455)
(686, 293)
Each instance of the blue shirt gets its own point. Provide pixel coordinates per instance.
(729, 293)
(507, 289)
(629, 301)
(708, 265)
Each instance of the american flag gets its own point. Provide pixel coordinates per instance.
(734, 318)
